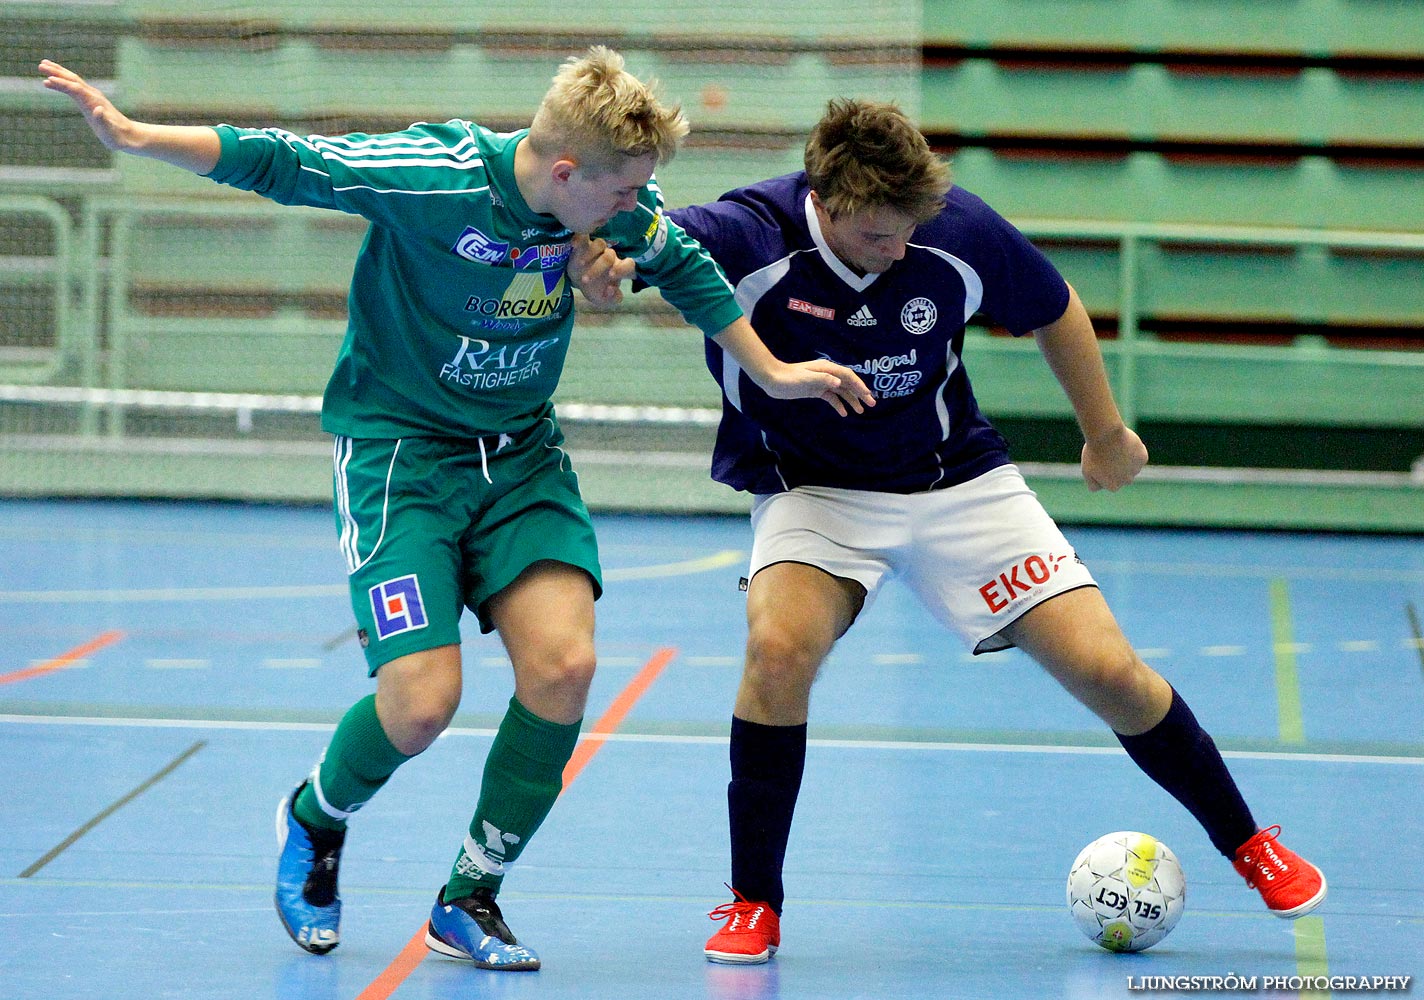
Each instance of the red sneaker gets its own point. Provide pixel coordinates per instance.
(1290, 885)
(750, 936)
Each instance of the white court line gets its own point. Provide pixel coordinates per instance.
(603, 661)
(295, 663)
(1367, 574)
(170, 594)
(917, 745)
(717, 560)
(176, 664)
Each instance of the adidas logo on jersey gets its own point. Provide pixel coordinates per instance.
(862, 317)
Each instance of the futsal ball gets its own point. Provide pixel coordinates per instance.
(1126, 891)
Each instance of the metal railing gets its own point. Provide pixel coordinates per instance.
(84, 274)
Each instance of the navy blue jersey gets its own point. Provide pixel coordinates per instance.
(901, 330)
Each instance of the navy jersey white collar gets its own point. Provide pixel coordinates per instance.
(902, 330)
(860, 282)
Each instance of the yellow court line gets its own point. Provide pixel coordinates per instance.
(1310, 959)
(717, 560)
(1287, 677)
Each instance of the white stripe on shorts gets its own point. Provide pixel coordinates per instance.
(343, 449)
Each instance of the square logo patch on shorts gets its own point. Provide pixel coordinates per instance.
(397, 606)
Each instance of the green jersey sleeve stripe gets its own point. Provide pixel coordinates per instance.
(414, 191)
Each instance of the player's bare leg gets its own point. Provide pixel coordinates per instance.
(545, 619)
(1076, 639)
(795, 614)
(416, 696)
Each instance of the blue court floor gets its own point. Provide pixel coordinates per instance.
(169, 671)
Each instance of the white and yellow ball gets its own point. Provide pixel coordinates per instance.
(1126, 891)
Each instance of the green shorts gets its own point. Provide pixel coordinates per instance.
(431, 526)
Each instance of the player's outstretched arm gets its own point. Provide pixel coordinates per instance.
(836, 384)
(599, 273)
(191, 147)
(1113, 454)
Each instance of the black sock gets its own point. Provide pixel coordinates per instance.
(1181, 757)
(767, 764)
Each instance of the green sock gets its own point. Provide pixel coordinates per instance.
(524, 774)
(357, 762)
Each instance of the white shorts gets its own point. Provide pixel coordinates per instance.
(977, 555)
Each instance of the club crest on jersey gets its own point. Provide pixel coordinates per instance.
(919, 315)
(475, 245)
(397, 606)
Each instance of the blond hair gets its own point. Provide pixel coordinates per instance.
(598, 113)
(865, 155)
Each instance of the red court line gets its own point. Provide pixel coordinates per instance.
(64, 659)
(415, 951)
(613, 718)
(401, 966)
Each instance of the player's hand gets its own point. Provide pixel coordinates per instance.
(112, 126)
(821, 379)
(1112, 460)
(598, 272)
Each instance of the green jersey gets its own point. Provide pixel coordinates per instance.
(459, 312)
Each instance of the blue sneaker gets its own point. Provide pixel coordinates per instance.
(472, 928)
(307, 900)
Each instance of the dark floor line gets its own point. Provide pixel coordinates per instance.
(339, 639)
(1413, 616)
(69, 841)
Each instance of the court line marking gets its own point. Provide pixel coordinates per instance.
(1413, 617)
(387, 897)
(939, 746)
(1310, 957)
(112, 808)
(1250, 912)
(414, 952)
(69, 659)
(1368, 574)
(187, 663)
(1292, 724)
(685, 567)
(607, 725)
(291, 663)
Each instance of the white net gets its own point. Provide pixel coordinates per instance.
(160, 335)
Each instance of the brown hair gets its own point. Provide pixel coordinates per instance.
(865, 154)
(597, 113)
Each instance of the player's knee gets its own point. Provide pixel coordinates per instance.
(1119, 671)
(555, 683)
(1126, 692)
(421, 719)
(778, 661)
(572, 667)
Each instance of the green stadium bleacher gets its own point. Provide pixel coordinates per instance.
(1232, 186)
